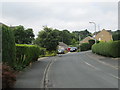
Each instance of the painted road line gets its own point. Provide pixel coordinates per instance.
(114, 76)
(107, 64)
(99, 69)
(91, 65)
(102, 62)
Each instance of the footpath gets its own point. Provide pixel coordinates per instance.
(32, 76)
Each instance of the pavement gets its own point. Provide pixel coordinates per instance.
(72, 70)
(32, 76)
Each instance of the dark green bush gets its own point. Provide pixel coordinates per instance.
(8, 45)
(26, 54)
(91, 42)
(110, 49)
(42, 51)
(85, 46)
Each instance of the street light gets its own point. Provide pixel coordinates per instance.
(95, 29)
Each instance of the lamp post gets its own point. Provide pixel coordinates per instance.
(95, 28)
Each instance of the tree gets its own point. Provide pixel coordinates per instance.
(66, 37)
(82, 34)
(8, 45)
(23, 36)
(47, 38)
(29, 36)
(116, 35)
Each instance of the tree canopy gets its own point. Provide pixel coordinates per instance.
(116, 35)
(47, 38)
(23, 36)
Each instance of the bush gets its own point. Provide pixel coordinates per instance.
(26, 54)
(111, 48)
(42, 51)
(8, 45)
(85, 46)
(51, 53)
(91, 42)
(8, 77)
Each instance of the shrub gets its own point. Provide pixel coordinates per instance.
(51, 53)
(42, 51)
(8, 77)
(8, 45)
(107, 48)
(25, 54)
(85, 47)
(91, 42)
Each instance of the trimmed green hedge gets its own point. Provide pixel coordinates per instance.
(8, 45)
(110, 49)
(85, 46)
(26, 54)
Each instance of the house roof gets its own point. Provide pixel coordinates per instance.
(109, 31)
(85, 40)
(62, 44)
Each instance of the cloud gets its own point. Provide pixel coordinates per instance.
(62, 15)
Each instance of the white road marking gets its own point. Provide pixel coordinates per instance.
(114, 76)
(103, 62)
(99, 69)
(108, 64)
(91, 65)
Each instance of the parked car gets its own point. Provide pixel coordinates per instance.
(61, 51)
(73, 49)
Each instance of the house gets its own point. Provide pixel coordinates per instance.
(62, 46)
(86, 40)
(104, 35)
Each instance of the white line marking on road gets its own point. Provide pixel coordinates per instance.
(108, 64)
(91, 65)
(114, 76)
(103, 62)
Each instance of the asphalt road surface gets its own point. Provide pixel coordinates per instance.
(82, 70)
(72, 70)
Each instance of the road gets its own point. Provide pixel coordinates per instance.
(82, 70)
(72, 70)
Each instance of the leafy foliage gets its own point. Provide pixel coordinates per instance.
(82, 34)
(47, 38)
(8, 45)
(0, 43)
(23, 36)
(85, 47)
(25, 54)
(116, 35)
(91, 42)
(111, 48)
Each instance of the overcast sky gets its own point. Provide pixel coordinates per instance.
(61, 15)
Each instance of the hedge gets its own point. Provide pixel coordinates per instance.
(85, 46)
(110, 49)
(25, 54)
(8, 45)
